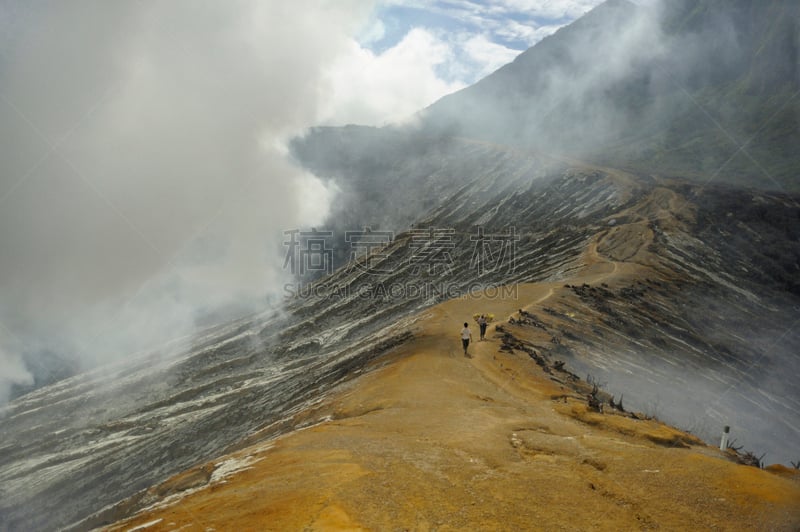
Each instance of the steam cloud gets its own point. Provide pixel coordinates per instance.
(144, 179)
(619, 75)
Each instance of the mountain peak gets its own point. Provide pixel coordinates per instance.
(671, 90)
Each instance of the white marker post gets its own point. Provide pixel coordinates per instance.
(724, 443)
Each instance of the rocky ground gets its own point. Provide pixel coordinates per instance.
(505, 439)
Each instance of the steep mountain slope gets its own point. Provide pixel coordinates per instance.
(698, 88)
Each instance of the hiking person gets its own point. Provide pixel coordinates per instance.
(482, 324)
(466, 336)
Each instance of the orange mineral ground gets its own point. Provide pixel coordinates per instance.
(429, 439)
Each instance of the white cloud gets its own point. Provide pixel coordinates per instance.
(528, 21)
(372, 33)
(529, 34)
(389, 87)
(488, 56)
(157, 128)
(433, 61)
(545, 9)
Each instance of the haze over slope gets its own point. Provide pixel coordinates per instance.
(144, 183)
(700, 88)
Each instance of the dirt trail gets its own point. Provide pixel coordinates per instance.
(626, 245)
(436, 441)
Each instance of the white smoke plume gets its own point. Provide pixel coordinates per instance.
(144, 183)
